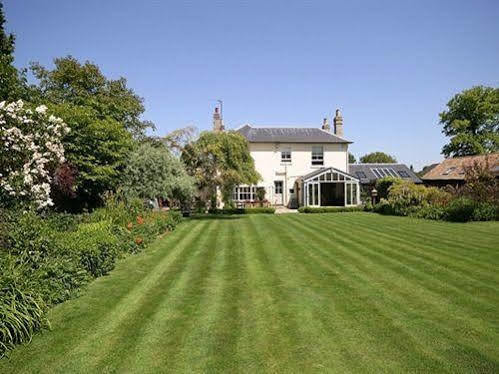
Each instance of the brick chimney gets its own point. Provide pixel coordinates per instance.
(325, 125)
(338, 124)
(218, 124)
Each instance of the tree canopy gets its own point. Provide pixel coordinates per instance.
(83, 84)
(377, 157)
(153, 172)
(96, 148)
(471, 121)
(220, 159)
(10, 80)
(351, 158)
(105, 118)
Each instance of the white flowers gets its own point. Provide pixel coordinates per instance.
(32, 145)
(41, 109)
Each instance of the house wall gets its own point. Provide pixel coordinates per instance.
(267, 158)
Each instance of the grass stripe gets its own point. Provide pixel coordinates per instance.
(476, 329)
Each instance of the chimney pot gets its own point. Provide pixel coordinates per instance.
(338, 124)
(325, 125)
(218, 124)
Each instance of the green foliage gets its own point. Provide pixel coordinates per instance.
(308, 209)
(220, 159)
(433, 212)
(460, 210)
(481, 184)
(384, 184)
(83, 84)
(97, 148)
(46, 260)
(472, 122)
(21, 314)
(258, 210)
(104, 117)
(368, 206)
(485, 212)
(95, 245)
(406, 198)
(377, 157)
(153, 172)
(11, 82)
(260, 194)
(351, 158)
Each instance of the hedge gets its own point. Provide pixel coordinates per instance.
(261, 210)
(307, 209)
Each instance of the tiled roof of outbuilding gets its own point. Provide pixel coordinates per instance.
(452, 168)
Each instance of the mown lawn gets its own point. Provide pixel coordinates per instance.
(346, 292)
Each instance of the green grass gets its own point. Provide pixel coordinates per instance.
(349, 292)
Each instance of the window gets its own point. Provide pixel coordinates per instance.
(360, 174)
(286, 156)
(278, 187)
(449, 170)
(377, 173)
(291, 191)
(404, 174)
(244, 193)
(317, 155)
(384, 172)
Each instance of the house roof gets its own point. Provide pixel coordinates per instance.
(366, 174)
(288, 135)
(453, 168)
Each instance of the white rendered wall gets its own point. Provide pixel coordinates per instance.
(268, 163)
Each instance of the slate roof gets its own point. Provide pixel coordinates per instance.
(288, 135)
(370, 177)
(452, 168)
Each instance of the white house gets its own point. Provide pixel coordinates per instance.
(299, 166)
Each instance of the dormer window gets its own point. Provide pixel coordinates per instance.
(286, 156)
(317, 155)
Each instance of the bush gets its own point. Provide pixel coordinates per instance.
(368, 207)
(21, 314)
(431, 212)
(383, 207)
(259, 210)
(308, 209)
(460, 210)
(45, 260)
(485, 212)
(95, 246)
(407, 198)
(383, 185)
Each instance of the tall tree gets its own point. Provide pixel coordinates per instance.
(83, 84)
(472, 122)
(351, 158)
(96, 151)
(220, 159)
(377, 157)
(9, 78)
(153, 172)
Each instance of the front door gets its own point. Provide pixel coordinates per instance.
(278, 193)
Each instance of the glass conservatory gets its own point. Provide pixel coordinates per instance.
(330, 187)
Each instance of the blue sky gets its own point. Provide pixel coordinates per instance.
(391, 66)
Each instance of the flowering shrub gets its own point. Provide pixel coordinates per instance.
(31, 148)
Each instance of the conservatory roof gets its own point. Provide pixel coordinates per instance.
(321, 171)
